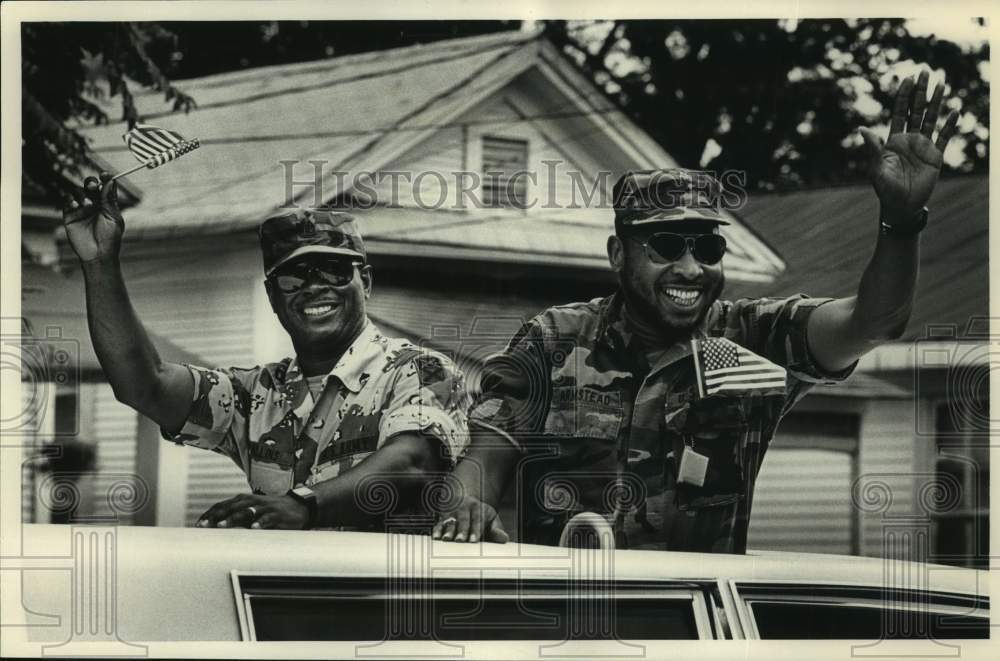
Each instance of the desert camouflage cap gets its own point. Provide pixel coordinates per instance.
(309, 231)
(657, 196)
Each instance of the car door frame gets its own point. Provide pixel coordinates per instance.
(710, 618)
(856, 595)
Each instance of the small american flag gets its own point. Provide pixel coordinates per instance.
(724, 366)
(154, 146)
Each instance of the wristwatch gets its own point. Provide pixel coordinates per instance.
(912, 230)
(307, 497)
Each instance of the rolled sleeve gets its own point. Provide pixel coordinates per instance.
(778, 330)
(429, 397)
(807, 367)
(515, 388)
(212, 414)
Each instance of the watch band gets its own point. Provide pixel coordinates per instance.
(307, 497)
(913, 230)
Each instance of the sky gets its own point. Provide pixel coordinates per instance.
(961, 30)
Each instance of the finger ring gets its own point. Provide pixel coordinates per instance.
(450, 519)
(253, 511)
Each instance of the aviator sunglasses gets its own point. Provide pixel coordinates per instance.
(333, 272)
(664, 247)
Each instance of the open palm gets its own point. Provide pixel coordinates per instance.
(904, 169)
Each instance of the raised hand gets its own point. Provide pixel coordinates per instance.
(93, 221)
(905, 168)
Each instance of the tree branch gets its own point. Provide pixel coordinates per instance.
(160, 82)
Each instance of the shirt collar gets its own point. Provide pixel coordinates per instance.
(354, 366)
(611, 330)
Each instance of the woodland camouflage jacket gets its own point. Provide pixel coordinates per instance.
(602, 430)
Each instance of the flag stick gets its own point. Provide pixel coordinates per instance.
(127, 172)
(174, 152)
(697, 367)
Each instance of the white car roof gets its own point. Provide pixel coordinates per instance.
(190, 571)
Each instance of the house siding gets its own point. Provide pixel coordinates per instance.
(32, 395)
(845, 501)
(803, 502)
(459, 148)
(442, 155)
(114, 426)
(201, 298)
(887, 475)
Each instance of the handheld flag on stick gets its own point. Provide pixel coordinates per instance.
(155, 146)
(722, 366)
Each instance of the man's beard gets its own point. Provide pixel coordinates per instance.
(648, 313)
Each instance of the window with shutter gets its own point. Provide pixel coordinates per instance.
(505, 183)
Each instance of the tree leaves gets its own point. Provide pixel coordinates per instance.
(66, 69)
(780, 99)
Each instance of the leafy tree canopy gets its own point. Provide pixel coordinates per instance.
(777, 99)
(64, 67)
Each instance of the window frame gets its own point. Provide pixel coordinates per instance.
(247, 585)
(960, 446)
(479, 138)
(747, 592)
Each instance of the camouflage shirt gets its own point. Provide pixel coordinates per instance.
(603, 430)
(266, 420)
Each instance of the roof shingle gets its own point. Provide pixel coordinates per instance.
(827, 236)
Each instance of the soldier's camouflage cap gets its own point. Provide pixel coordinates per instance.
(309, 231)
(657, 196)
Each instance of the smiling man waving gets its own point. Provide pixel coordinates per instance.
(307, 431)
(654, 407)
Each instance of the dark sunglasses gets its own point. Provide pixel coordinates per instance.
(664, 247)
(334, 272)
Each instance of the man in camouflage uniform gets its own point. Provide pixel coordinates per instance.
(654, 407)
(314, 432)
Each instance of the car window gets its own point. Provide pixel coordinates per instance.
(340, 609)
(855, 612)
(804, 620)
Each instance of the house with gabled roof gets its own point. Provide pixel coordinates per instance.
(459, 273)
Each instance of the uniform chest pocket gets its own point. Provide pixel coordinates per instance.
(580, 411)
(713, 427)
(710, 417)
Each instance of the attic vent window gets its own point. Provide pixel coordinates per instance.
(505, 181)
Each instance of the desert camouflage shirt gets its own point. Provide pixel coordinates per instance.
(603, 430)
(266, 420)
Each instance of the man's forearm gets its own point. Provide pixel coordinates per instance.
(403, 466)
(842, 331)
(886, 290)
(128, 357)
(487, 466)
